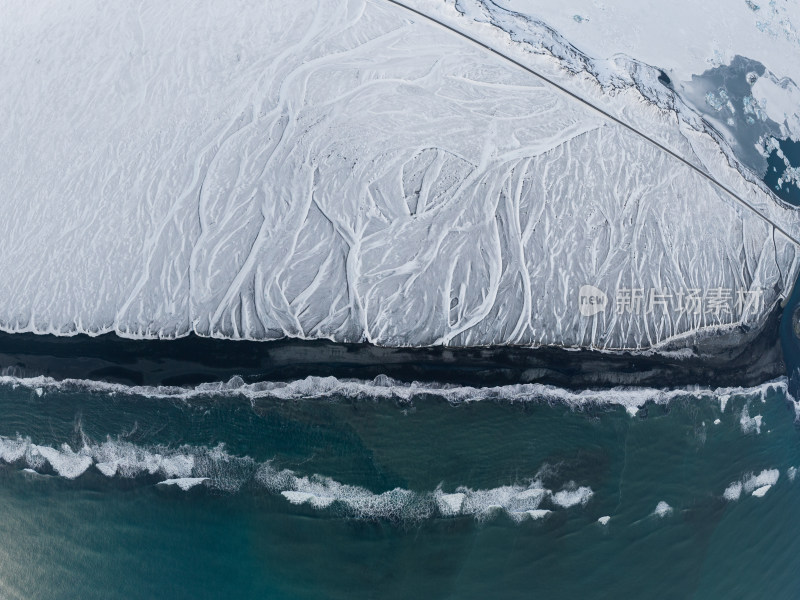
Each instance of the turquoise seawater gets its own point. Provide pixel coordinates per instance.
(83, 515)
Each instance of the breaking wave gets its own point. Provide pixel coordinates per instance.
(755, 485)
(187, 467)
(386, 388)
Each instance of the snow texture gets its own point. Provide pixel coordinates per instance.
(348, 171)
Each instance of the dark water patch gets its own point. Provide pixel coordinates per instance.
(193, 360)
(777, 170)
(724, 96)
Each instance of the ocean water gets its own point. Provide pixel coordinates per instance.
(326, 488)
(776, 176)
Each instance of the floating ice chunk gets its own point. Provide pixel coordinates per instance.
(717, 421)
(662, 509)
(604, 520)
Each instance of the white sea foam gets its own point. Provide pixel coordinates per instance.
(65, 462)
(604, 520)
(767, 477)
(382, 387)
(791, 473)
(662, 509)
(126, 460)
(572, 496)
(759, 492)
(750, 424)
(733, 492)
(184, 483)
(188, 466)
(757, 485)
(539, 513)
(449, 504)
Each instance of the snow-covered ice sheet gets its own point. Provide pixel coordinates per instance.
(732, 76)
(347, 171)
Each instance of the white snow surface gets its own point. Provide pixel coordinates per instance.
(348, 170)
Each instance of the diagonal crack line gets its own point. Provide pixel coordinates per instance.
(616, 120)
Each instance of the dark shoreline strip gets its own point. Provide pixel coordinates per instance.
(191, 360)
